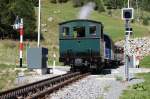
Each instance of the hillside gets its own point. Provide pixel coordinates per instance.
(52, 14)
(114, 26)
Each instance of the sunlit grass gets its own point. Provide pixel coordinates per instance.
(7, 76)
(138, 91)
(145, 62)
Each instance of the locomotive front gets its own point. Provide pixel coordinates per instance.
(80, 44)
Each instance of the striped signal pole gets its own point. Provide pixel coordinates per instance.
(21, 40)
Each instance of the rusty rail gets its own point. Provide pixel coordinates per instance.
(41, 88)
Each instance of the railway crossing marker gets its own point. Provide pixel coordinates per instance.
(127, 15)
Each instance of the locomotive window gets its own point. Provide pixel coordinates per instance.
(102, 34)
(93, 30)
(79, 31)
(65, 31)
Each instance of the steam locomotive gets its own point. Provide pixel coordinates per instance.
(85, 47)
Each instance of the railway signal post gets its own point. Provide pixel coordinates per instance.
(19, 26)
(127, 15)
(21, 41)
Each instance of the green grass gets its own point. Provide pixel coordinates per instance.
(145, 62)
(114, 26)
(142, 90)
(7, 76)
(8, 51)
(138, 91)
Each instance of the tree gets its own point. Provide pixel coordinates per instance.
(60, 1)
(99, 4)
(5, 20)
(115, 4)
(78, 3)
(144, 4)
(10, 9)
(25, 10)
(35, 2)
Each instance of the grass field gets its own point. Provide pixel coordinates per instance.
(142, 90)
(7, 76)
(138, 91)
(145, 62)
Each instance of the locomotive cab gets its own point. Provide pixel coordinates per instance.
(80, 43)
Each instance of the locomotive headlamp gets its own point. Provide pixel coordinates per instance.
(127, 13)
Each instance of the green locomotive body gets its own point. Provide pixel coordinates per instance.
(81, 45)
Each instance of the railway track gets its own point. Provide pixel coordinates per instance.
(40, 89)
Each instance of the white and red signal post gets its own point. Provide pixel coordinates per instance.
(21, 30)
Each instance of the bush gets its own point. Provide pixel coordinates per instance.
(139, 87)
(99, 6)
(60, 1)
(35, 2)
(145, 21)
(78, 3)
(133, 21)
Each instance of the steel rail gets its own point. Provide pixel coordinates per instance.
(40, 88)
(49, 90)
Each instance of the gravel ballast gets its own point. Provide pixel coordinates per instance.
(95, 87)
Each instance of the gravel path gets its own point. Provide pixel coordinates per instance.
(96, 87)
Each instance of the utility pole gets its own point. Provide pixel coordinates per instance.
(39, 23)
(128, 3)
(127, 38)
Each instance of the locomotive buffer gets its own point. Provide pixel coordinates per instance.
(127, 15)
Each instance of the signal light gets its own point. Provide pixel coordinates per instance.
(127, 13)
